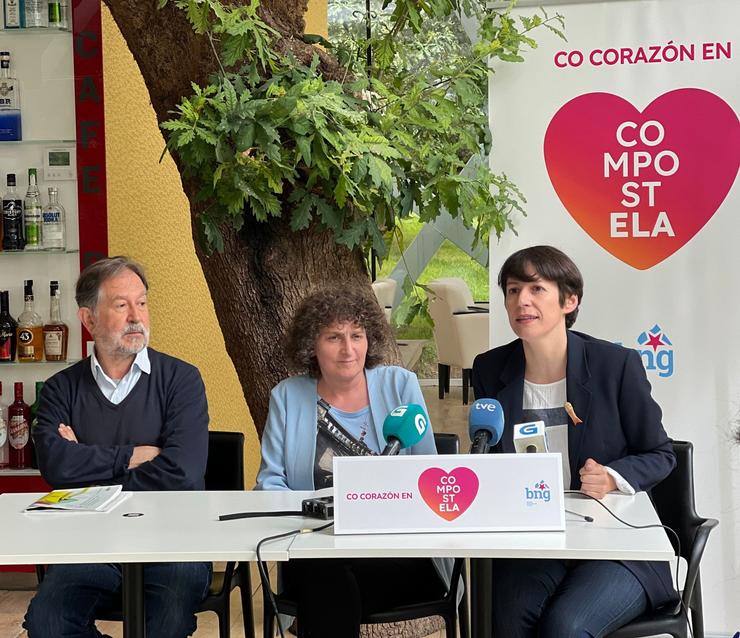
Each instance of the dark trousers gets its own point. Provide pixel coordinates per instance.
(333, 595)
(563, 599)
(71, 596)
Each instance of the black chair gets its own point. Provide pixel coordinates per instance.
(224, 471)
(446, 607)
(674, 502)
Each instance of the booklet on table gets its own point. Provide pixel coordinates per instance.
(83, 499)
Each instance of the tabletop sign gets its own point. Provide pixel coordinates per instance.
(448, 493)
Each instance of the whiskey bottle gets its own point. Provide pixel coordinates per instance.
(56, 332)
(19, 431)
(52, 223)
(12, 217)
(8, 328)
(10, 102)
(32, 213)
(30, 329)
(3, 430)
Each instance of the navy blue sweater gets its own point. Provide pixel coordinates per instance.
(166, 408)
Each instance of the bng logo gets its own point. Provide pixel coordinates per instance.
(656, 351)
(540, 493)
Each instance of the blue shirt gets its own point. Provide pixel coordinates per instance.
(359, 424)
(117, 391)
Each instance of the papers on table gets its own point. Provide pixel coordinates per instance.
(83, 499)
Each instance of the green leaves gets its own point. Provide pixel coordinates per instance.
(271, 137)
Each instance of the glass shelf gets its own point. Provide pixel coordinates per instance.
(26, 471)
(41, 142)
(23, 253)
(16, 364)
(36, 31)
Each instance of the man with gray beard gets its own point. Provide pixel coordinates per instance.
(126, 415)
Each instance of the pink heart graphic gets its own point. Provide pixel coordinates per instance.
(682, 157)
(448, 494)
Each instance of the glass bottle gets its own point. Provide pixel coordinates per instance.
(30, 328)
(12, 217)
(32, 213)
(34, 421)
(56, 332)
(52, 223)
(12, 14)
(19, 420)
(3, 430)
(55, 14)
(64, 17)
(35, 13)
(8, 327)
(10, 102)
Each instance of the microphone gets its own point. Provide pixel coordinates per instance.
(403, 427)
(485, 425)
(530, 437)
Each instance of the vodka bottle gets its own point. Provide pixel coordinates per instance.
(12, 14)
(32, 213)
(35, 13)
(52, 223)
(10, 102)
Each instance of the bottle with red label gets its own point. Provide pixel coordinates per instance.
(3, 430)
(8, 328)
(19, 431)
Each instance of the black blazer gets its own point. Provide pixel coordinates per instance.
(609, 390)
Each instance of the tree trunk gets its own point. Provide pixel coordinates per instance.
(256, 284)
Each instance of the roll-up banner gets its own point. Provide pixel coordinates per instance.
(625, 141)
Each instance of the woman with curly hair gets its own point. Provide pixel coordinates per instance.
(338, 344)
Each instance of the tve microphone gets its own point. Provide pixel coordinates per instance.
(485, 425)
(403, 427)
(530, 437)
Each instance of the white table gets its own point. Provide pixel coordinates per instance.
(184, 526)
(174, 526)
(603, 539)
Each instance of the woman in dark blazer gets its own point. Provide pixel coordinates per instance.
(595, 399)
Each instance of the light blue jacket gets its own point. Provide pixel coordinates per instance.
(289, 439)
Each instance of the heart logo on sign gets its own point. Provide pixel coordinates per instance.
(448, 494)
(642, 184)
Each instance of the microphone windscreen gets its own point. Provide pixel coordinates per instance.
(407, 424)
(488, 415)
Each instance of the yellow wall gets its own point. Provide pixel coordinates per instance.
(148, 220)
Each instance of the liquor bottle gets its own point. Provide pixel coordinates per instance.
(8, 328)
(64, 18)
(12, 217)
(52, 223)
(19, 420)
(32, 213)
(30, 328)
(10, 102)
(34, 422)
(56, 332)
(55, 14)
(35, 13)
(3, 430)
(12, 14)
